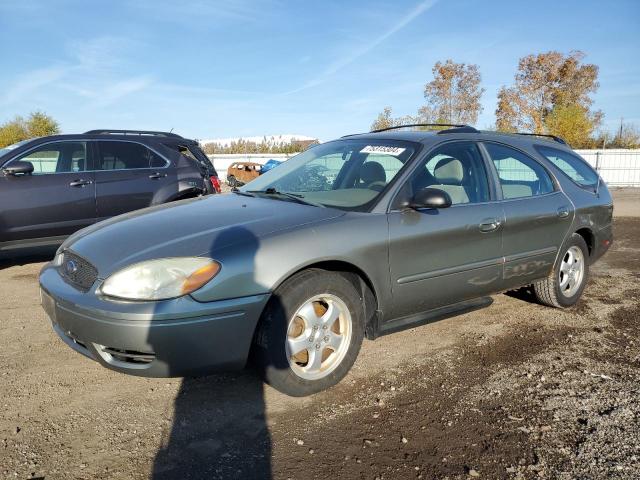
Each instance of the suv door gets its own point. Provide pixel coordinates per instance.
(54, 201)
(130, 176)
(443, 256)
(538, 215)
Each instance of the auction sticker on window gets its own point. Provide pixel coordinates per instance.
(383, 150)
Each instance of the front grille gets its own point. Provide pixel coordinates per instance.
(77, 271)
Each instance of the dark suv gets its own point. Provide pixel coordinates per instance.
(52, 186)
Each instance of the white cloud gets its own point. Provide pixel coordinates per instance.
(339, 64)
(30, 82)
(114, 92)
(205, 11)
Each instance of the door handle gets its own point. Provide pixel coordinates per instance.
(563, 212)
(157, 175)
(80, 183)
(489, 225)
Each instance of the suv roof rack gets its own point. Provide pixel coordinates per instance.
(457, 127)
(132, 132)
(553, 137)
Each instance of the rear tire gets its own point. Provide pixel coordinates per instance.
(569, 277)
(310, 333)
(231, 181)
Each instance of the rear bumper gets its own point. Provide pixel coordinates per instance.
(178, 337)
(603, 240)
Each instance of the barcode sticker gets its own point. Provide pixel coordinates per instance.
(383, 150)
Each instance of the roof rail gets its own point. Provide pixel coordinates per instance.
(132, 132)
(554, 137)
(456, 127)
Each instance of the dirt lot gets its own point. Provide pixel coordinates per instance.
(513, 391)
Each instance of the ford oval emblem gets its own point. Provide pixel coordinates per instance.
(71, 267)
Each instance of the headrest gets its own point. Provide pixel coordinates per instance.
(372, 172)
(449, 171)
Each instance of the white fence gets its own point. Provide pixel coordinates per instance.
(221, 162)
(619, 168)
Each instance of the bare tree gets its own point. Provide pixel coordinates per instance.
(545, 82)
(453, 96)
(384, 120)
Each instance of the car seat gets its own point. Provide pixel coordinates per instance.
(449, 175)
(373, 176)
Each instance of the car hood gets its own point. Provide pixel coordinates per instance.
(197, 227)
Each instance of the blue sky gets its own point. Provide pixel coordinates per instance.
(238, 67)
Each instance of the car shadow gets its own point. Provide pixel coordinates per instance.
(26, 256)
(525, 294)
(219, 430)
(219, 427)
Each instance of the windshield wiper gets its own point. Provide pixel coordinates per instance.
(296, 197)
(240, 192)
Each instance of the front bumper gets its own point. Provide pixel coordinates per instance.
(169, 338)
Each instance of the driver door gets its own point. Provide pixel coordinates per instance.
(54, 201)
(443, 256)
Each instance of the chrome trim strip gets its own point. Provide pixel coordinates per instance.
(530, 253)
(451, 270)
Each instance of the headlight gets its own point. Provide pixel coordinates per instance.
(160, 279)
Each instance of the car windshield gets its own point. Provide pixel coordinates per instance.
(349, 174)
(9, 148)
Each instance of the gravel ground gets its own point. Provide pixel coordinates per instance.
(516, 390)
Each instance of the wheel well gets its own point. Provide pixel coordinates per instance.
(589, 238)
(363, 285)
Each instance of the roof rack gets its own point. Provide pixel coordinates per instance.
(554, 137)
(132, 132)
(457, 127)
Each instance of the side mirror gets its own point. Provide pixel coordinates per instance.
(430, 198)
(19, 167)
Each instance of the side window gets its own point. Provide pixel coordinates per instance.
(571, 165)
(520, 175)
(156, 160)
(58, 157)
(126, 156)
(458, 169)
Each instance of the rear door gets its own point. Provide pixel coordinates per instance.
(439, 257)
(538, 215)
(130, 176)
(54, 201)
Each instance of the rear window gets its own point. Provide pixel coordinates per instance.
(572, 166)
(194, 152)
(116, 155)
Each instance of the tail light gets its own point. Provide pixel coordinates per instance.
(215, 183)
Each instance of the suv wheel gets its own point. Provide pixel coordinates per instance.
(564, 286)
(310, 333)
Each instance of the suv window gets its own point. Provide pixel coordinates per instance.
(572, 166)
(457, 168)
(194, 152)
(115, 155)
(520, 175)
(58, 157)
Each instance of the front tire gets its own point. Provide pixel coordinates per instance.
(310, 333)
(570, 274)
